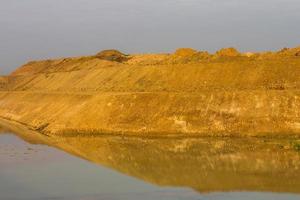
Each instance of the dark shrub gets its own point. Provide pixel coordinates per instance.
(112, 55)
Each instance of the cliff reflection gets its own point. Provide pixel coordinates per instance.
(204, 164)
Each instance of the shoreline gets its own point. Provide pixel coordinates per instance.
(20, 128)
(238, 163)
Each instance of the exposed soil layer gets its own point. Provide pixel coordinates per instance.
(188, 93)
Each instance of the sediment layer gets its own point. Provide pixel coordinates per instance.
(187, 93)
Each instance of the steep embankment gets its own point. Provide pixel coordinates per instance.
(187, 92)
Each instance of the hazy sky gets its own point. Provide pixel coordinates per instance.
(39, 29)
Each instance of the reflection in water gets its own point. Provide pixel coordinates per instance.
(203, 164)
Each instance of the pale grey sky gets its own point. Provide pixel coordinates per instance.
(41, 29)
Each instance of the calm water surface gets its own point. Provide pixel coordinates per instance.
(116, 168)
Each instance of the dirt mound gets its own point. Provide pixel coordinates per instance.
(3, 82)
(203, 55)
(112, 55)
(185, 52)
(289, 52)
(294, 51)
(188, 55)
(286, 52)
(228, 52)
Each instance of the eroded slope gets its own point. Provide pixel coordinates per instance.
(188, 92)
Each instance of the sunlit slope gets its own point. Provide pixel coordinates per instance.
(3, 83)
(186, 92)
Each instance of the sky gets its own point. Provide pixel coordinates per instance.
(44, 29)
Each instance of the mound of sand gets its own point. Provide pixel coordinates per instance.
(289, 52)
(112, 55)
(185, 52)
(228, 52)
(188, 55)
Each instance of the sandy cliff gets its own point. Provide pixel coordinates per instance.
(188, 92)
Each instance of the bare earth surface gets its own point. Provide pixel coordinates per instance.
(186, 93)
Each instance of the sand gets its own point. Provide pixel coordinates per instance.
(187, 93)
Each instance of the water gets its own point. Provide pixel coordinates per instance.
(117, 168)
